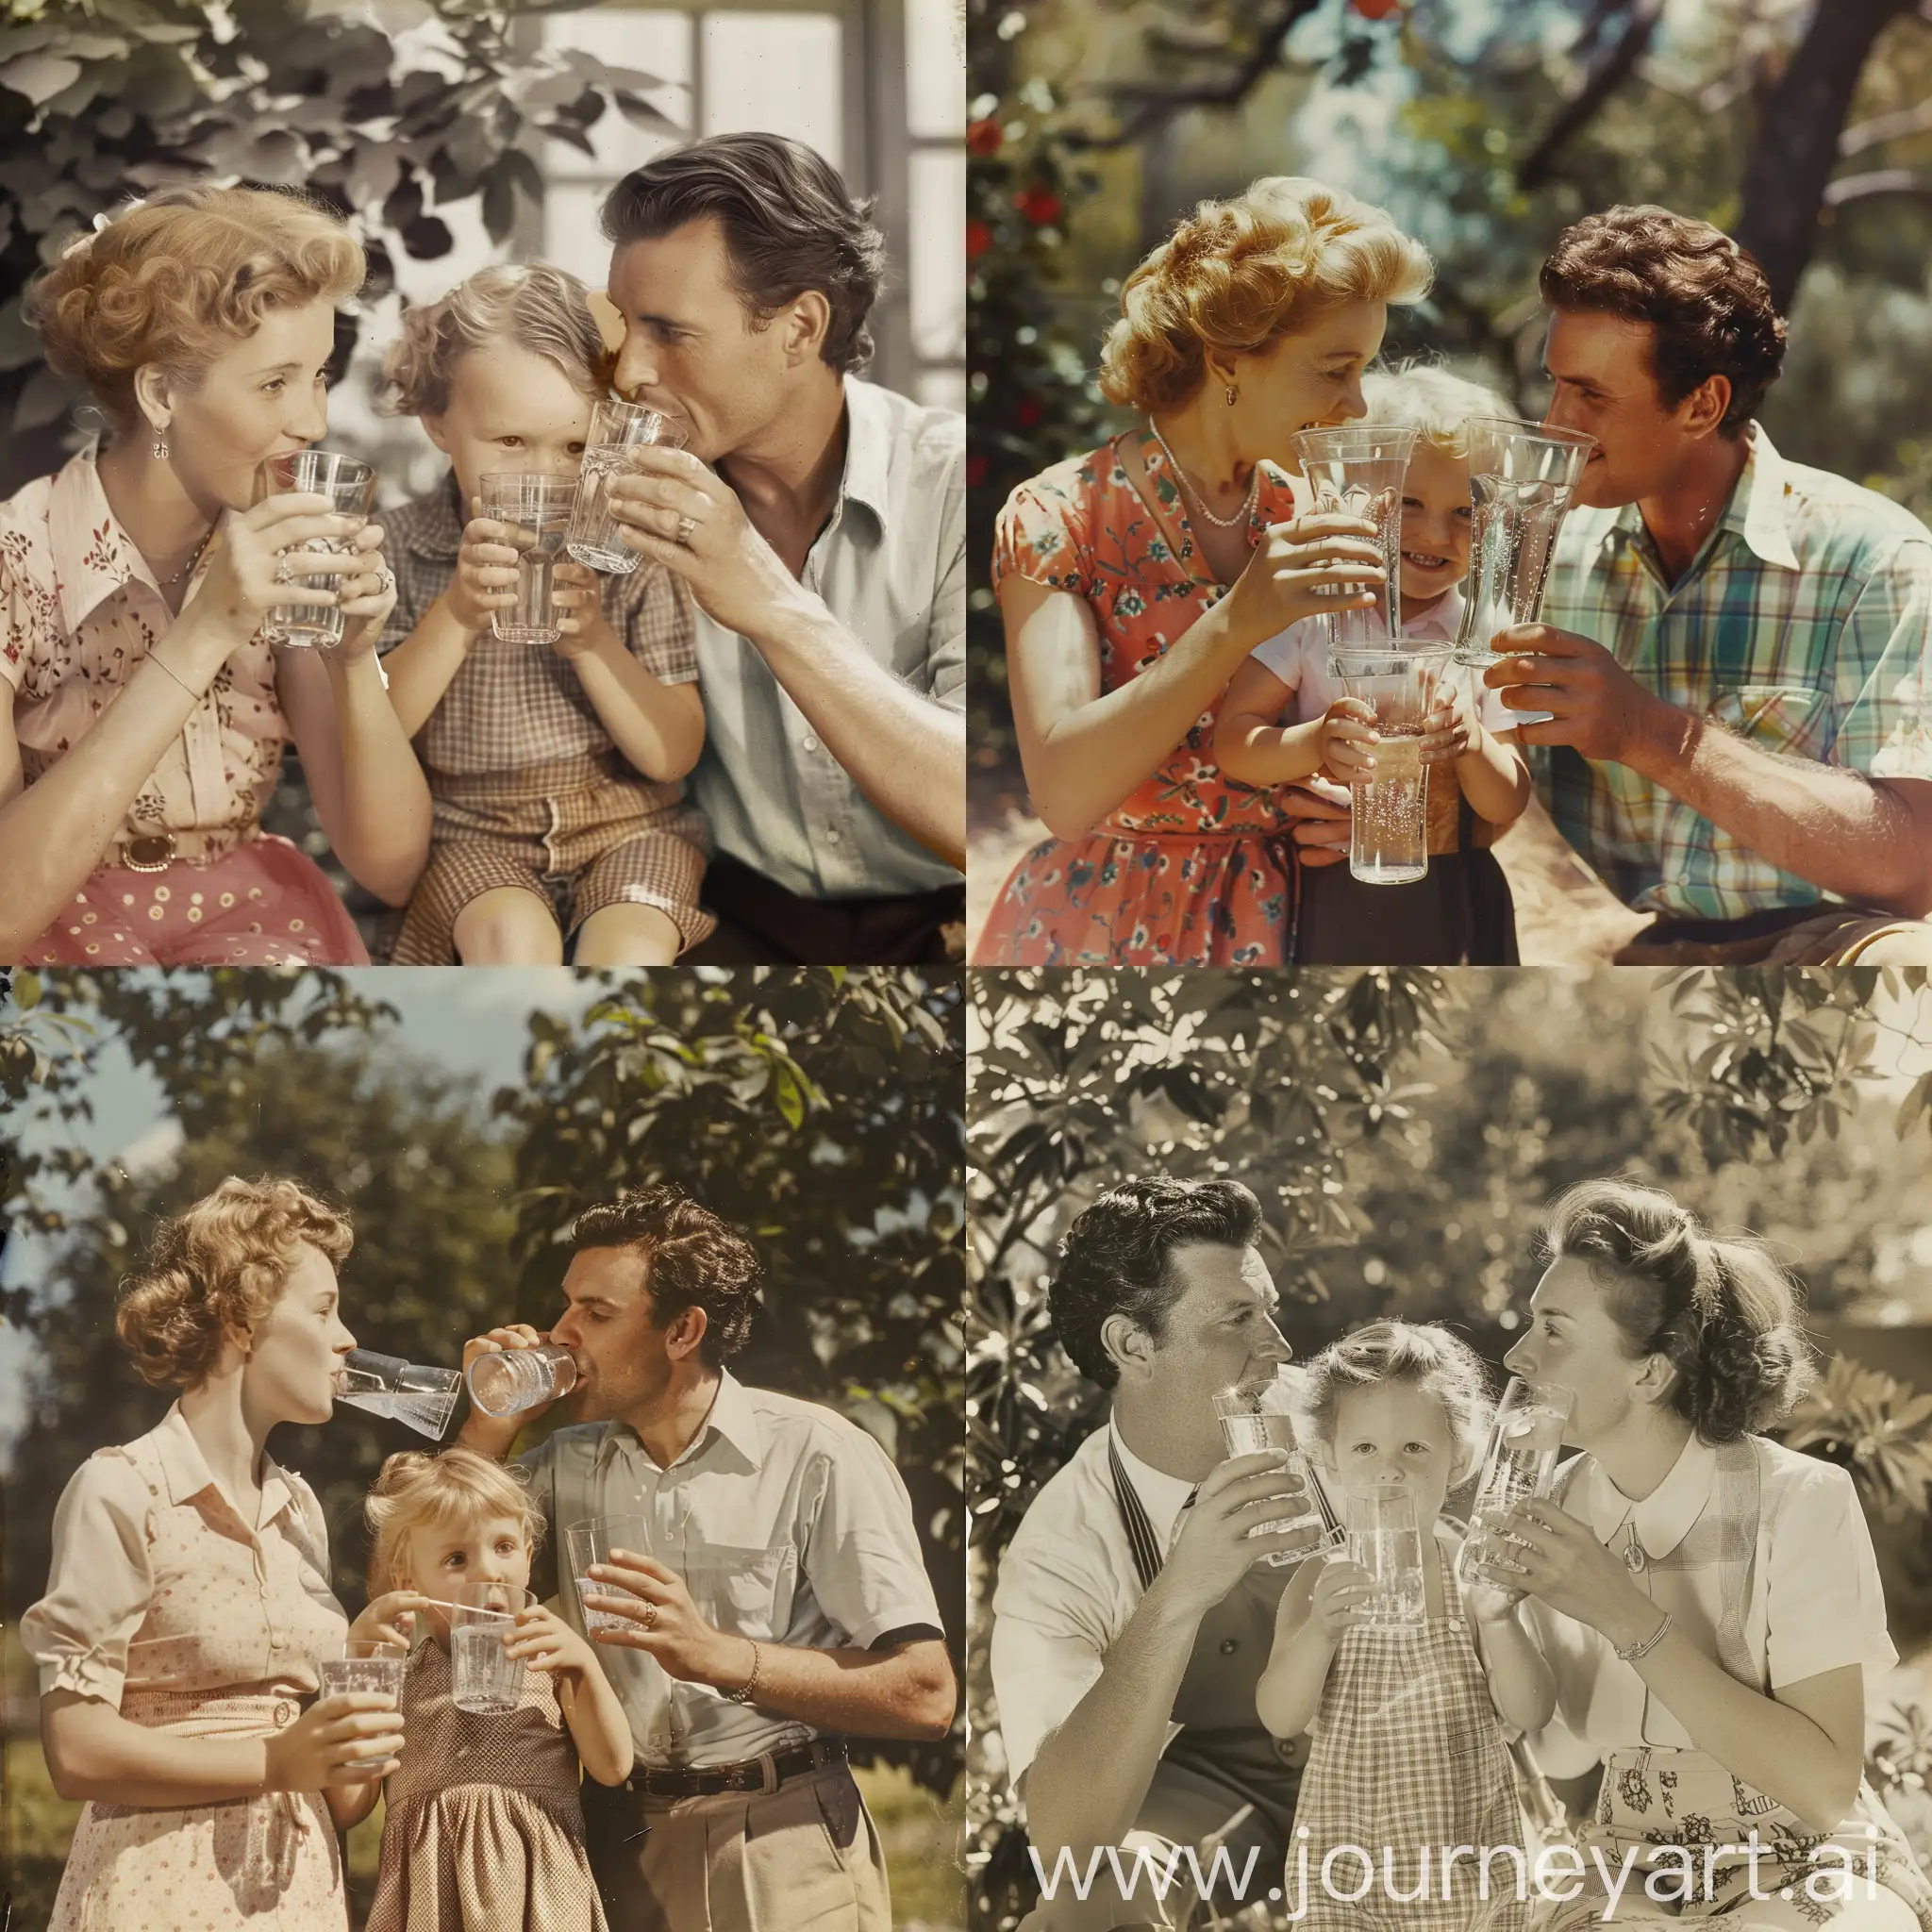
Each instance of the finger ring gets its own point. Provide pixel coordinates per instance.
(649, 1619)
(685, 526)
(283, 573)
(385, 579)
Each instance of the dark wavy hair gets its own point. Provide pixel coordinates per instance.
(1706, 299)
(1114, 1260)
(691, 1259)
(1723, 1311)
(790, 225)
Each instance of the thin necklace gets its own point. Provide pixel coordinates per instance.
(1247, 507)
(194, 557)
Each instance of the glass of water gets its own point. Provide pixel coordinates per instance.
(507, 1381)
(1385, 1538)
(592, 1541)
(350, 485)
(406, 1391)
(1521, 1466)
(535, 510)
(367, 1663)
(1359, 470)
(617, 430)
(482, 1619)
(1388, 833)
(1260, 1418)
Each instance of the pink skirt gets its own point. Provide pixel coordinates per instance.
(263, 904)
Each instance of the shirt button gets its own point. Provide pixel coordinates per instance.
(1230, 1645)
(809, 743)
(833, 836)
(1287, 1749)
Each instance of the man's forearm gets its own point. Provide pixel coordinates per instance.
(1855, 836)
(903, 751)
(903, 1693)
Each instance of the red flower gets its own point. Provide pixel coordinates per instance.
(1376, 10)
(979, 240)
(1039, 205)
(1028, 411)
(976, 467)
(983, 138)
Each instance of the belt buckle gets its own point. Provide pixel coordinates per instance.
(150, 852)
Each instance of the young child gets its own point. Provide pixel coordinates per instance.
(484, 1827)
(1408, 1742)
(1460, 914)
(555, 769)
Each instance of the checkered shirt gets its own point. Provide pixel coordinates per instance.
(1800, 627)
(517, 704)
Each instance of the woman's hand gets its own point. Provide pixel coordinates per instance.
(258, 564)
(1564, 1565)
(1448, 731)
(1489, 1605)
(577, 597)
(389, 1617)
(544, 1641)
(368, 595)
(486, 578)
(355, 1727)
(1342, 1593)
(1321, 563)
(1347, 742)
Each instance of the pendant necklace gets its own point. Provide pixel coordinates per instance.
(1634, 1559)
(1247, 507)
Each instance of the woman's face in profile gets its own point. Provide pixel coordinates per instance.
(1575, 1342)
(297, 1351)
(261, 397)
(1312, 380)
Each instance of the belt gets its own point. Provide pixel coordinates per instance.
(762, 1774)
(158, 851)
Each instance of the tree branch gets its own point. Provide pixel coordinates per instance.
(1604, 79)
(1849, 187)
(1886, 128)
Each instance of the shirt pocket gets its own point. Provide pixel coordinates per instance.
(1794, 718)
(746, 1592)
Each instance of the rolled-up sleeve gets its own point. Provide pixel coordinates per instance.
(100, 1583)
(1881, 664)
(1049, 1644)
(1824, 1603)
(861, 1553)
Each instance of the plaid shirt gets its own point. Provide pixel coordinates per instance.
(1800, 627)
(518, 705)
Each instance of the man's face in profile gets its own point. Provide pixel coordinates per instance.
(1220, 1332)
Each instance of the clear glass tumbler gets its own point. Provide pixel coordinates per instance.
(406, 1391)
(1520, 1467)
(482, 1620)
(536, 509)
(1359, 470)
(618, 431)
(507, 1381)
(1388, 833)
(350, 485)
(1260, 1418)
(366, 1663)
(592, 1541)
(1385, 1538)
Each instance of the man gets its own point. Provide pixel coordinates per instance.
(1133, 1617)
(820, 523)
(781, 1606)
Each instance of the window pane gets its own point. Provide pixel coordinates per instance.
(774, 74)
(938, 254)
(654, 44)
(943, 389)
(936, 67)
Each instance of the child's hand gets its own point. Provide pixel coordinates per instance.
(1448, 731)
(1489, 1605)
(576, 597)
(544, 1641)
(391, 1617)
(1347, 742)
(486, 578)
(1341, 1596)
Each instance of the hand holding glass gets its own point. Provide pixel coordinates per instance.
(592, 1541)
(482, 1620)
(350, 485)
(1359, 470)
(535, 509)
(507, 1381)
(1385, 1538)
(1388, 841)
(618, 431)
(1253, 1420)
(1520, 1467)
(365, 1664)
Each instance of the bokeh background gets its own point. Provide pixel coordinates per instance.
(463, 1120)
(1801, 126)
(1403, 1132)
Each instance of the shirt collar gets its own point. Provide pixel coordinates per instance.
(868, 449)
(1664, 1517)
(1161, 1496)
(1758, 513)
(185, 1470)
(92, 555)
(731, 1418)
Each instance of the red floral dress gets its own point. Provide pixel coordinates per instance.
(1193, 867)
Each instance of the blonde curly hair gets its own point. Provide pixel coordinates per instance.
(1238, 274)
(180, 278)
(455, 1486)
(218, 1268)
(1435, 404)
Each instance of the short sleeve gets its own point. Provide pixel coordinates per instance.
(861, 1552)
(1043, 535)
(100, 1583)
(1824, 1607)
(1884, 687)
(29, 611)
(1285, 655)
(658, 627)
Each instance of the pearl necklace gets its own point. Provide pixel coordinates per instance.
(1241, 516)
(194, 557)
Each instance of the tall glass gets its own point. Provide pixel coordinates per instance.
(1385, 1538)
(406, 1391)
(1388, 833)
(1256, 1418)
(367, 1663)
(618, 431)
(536, 509)
(482, 1619)
(507, 1381)
(592, 1541)
(1359, 470)
(350, 485)
(1520, 1467)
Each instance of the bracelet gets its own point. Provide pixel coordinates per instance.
(743, 1694)
(154, 658)
(1631, 1653)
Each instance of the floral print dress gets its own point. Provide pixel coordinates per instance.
(1193, 867)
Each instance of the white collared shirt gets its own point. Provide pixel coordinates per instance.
(1803, 1598)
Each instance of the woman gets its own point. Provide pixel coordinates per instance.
(1255, 319)
(1709, 1600)
(189, 1598)
(143, 739)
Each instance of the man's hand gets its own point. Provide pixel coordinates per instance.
(1595, 705)
(491, 1434)
(1320, 814)
(667, 1624)
(1214, 1550)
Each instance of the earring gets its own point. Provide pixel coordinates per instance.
(160, 446)
(1232, 394)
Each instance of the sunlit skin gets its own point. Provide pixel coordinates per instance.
(1437, 518)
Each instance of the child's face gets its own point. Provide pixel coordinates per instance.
(1394, 1430)
(1436, 517)
(438, 1557)
(510, 411)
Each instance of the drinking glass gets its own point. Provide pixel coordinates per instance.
(1385, 1538)
(1255, 1419)
(507, 1381)
(1388, 833)
(535, 508)
(1520, 1467)
(617, 430)
(592, 1541)
(1359, 470)
(367, 1663)
(406, 1391)
(350, 485)
(482, 1616)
